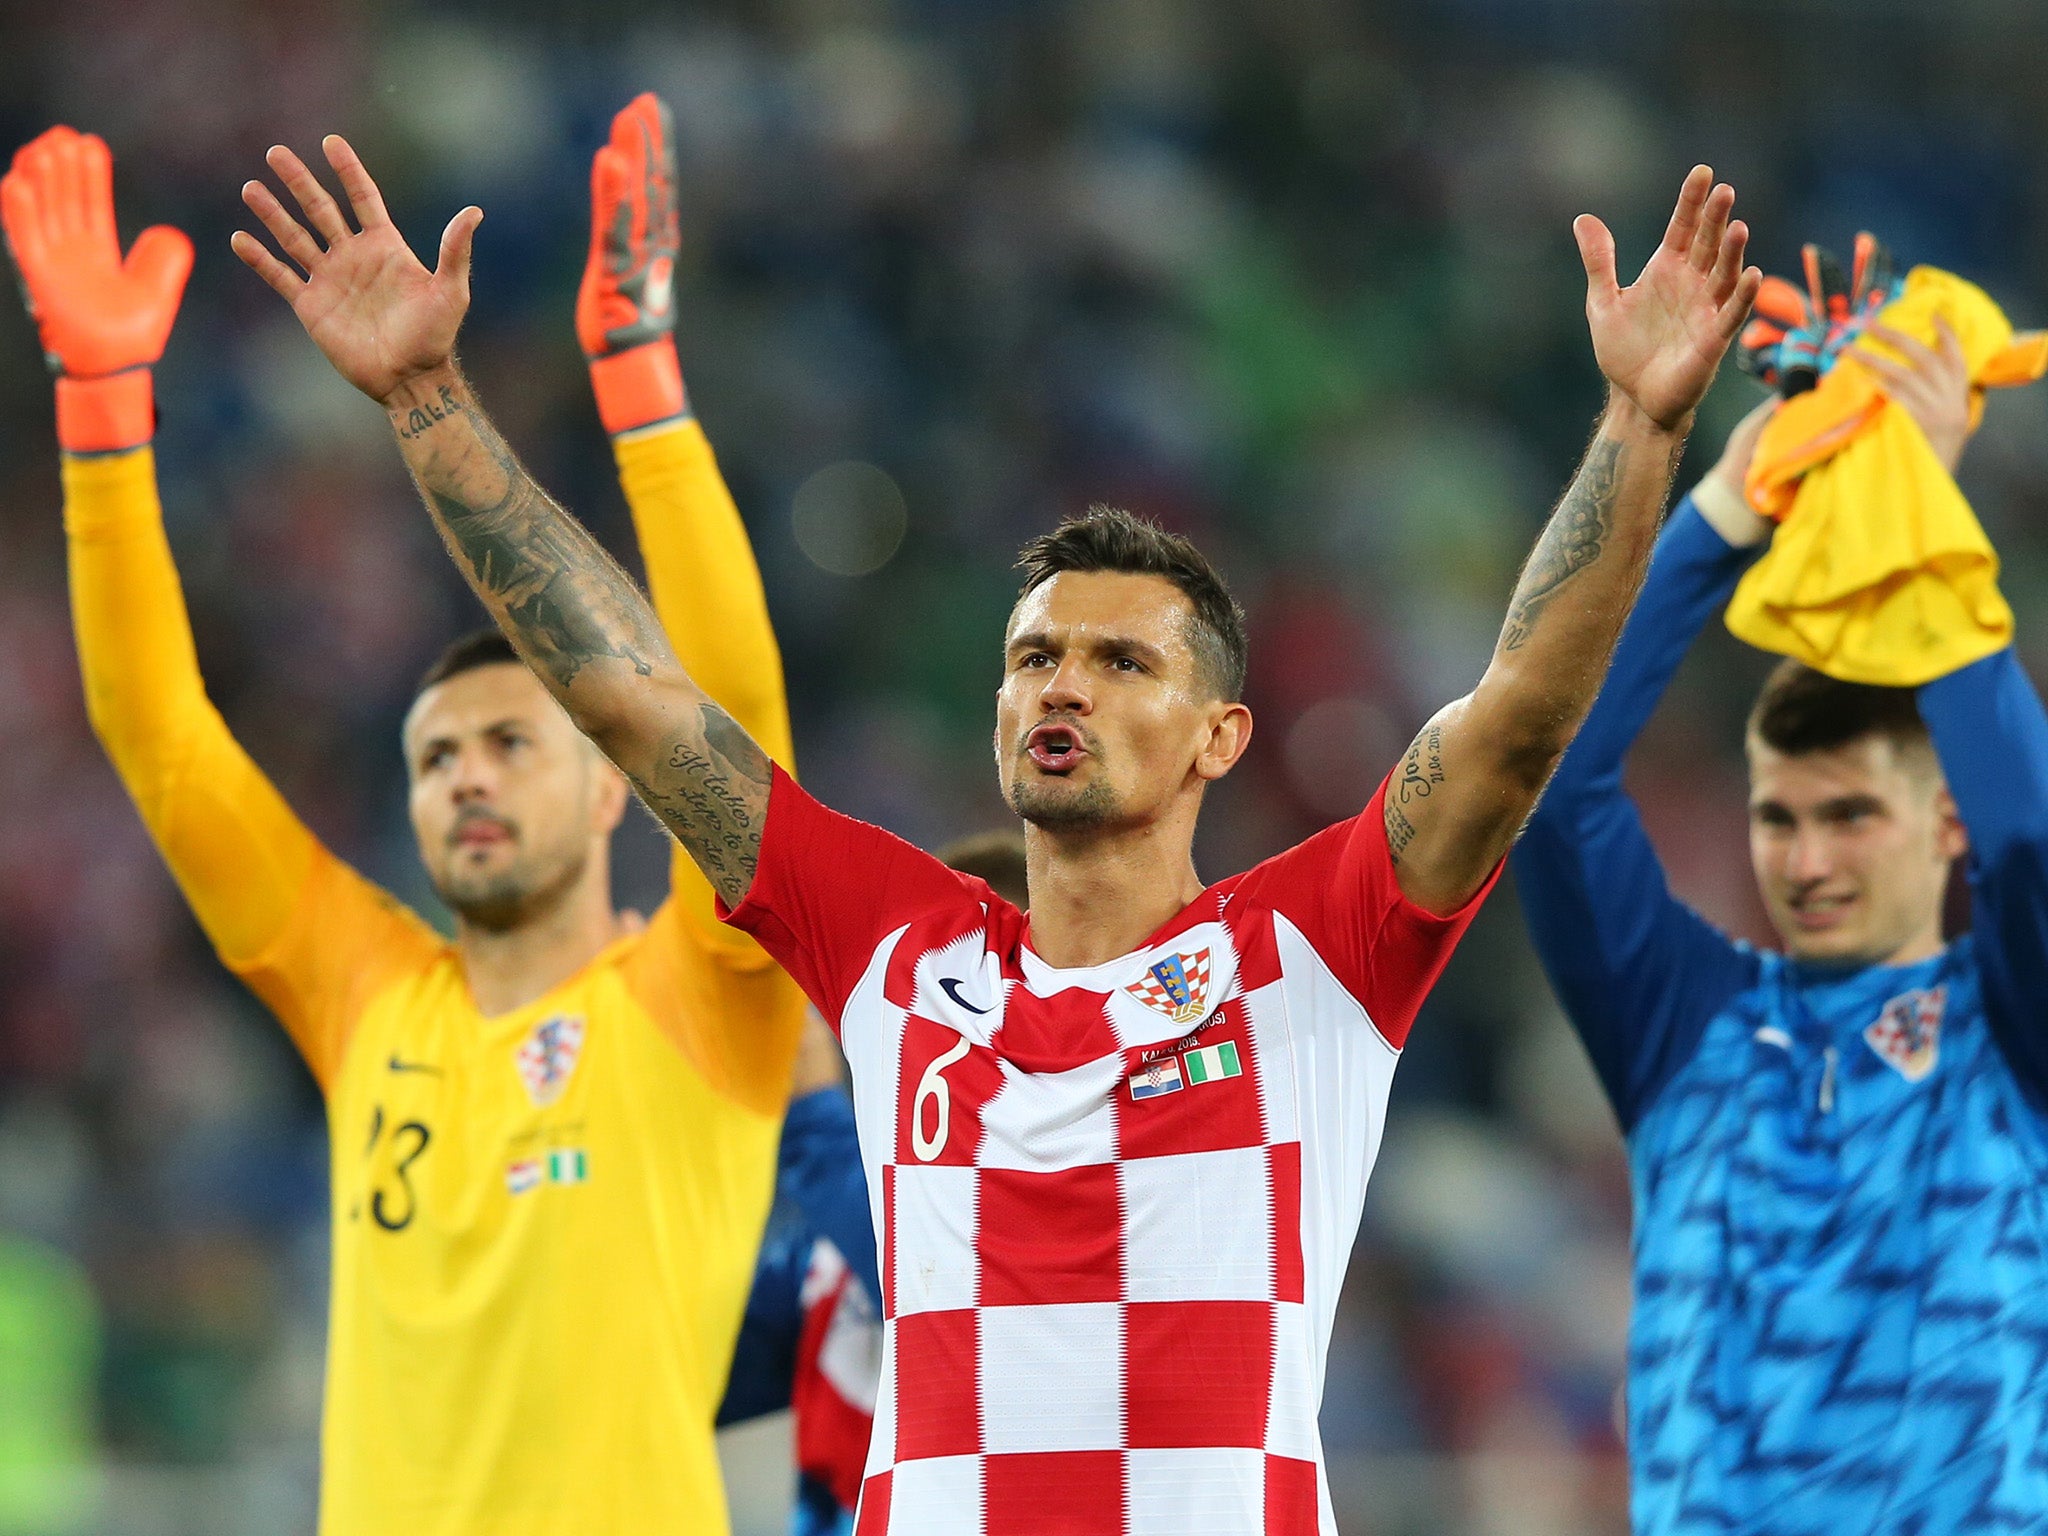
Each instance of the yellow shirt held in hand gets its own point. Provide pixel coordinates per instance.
(1879, 572)
(545, 1223)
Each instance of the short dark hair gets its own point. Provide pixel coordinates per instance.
(478, 648)
(1801, 710)
(997, 857)
(1111, 539)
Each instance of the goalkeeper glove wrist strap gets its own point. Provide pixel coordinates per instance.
(109, 414)
(639, 387)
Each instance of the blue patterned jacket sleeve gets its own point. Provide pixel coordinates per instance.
(819, 1173)
(1991, 734)
(820, 1191)
(1639, 972)
(764, 1358)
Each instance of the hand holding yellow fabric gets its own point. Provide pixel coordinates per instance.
(1880, 572)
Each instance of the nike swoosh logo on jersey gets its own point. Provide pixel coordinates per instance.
(951, 987)
(413, 1066)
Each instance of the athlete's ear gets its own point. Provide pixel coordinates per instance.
(1230, 732)
(609, 796)
(1951, 837)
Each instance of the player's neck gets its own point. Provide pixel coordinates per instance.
(1099, 896)
(510, 967)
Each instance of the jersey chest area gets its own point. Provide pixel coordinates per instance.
(1173, 1050)
(1805, 1154)
(1106, 1136)
(453, 1136)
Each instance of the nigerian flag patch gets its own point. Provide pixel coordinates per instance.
(568, 1167)
(1212, 1062)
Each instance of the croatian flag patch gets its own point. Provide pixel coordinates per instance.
(1159, 1077)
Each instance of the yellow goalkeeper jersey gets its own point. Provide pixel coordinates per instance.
(544, 1223)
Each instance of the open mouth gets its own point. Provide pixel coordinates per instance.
(1054, 747)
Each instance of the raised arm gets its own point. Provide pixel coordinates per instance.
(388, 326)
(1473, 774)
(305, 931)
(1991, 734)
(701, 574)
(1639, 973)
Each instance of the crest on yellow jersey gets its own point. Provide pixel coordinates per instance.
(547, 1057)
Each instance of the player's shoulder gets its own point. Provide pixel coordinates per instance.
(965, 921)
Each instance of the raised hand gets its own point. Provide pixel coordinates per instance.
(1660, 339)
(627, 297)
(380, 316)
(1932, 384)
(103, 320)
(626, 304)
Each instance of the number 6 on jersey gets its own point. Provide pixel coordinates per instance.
(933, 1086)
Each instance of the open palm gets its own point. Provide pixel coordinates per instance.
(369, 304)
(1660, 340)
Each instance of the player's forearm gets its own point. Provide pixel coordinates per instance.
(135, 652)
(584, 629)
(563, 602)
(1575, 593)
(1692, 573)
(1990, 733)
(702, 577)
(238, 853)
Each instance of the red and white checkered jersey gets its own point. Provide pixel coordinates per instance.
(1115, 1202)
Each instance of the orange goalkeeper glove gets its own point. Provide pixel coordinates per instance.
(103, 321)
(626, 306)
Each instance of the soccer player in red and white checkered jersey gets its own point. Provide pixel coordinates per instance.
(1117, 1151)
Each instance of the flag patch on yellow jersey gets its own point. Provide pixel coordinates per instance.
(548, 1057)
(569, 1165)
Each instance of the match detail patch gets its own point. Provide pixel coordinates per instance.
(1213, 1063)
(1159, 1077)
(567, 1166)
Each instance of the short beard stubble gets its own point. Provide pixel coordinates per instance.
(1096, 806)
(502, 902)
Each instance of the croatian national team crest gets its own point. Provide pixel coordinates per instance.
(1177, 986)
(548, 1057)
(1908, 1033)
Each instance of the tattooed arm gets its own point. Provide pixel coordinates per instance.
(388, 326)
(1471, 778)
(585, 629)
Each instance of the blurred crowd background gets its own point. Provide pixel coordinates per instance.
(1293, 276)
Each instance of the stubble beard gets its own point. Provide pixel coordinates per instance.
(1095, 806)
(506, 899)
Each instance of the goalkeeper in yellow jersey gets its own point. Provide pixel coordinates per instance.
(554, 1138)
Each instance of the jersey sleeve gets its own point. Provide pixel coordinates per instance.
(829, 889)
(707, 592)
(1339, 888)
(311, 937)
(1991, 734)
(710, 988)
(1639, 973)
